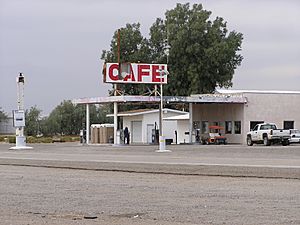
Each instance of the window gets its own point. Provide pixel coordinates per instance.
(215, 130)
(288, 125)
(196, 125)
(228, 127)
(222, 129)
(237, 127)
(254, 123)
(268, 127)
(255, 128)
(204, 127)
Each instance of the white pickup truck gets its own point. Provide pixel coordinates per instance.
(267, 133)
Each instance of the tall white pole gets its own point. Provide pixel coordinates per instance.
(191, 122)
(161, 111)
(115, 122)
(20, 115)
(162, 140)
(20, 100)
(87, 124)
(115, 117)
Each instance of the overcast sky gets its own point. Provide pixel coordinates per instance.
(57, 44)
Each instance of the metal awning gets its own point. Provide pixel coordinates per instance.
(203, 98)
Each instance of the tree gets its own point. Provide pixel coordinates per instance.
(32, 121)
(3, 115)
(133, 48)
(200, 53)
(62, 119)
(203, 55)
(69, 119)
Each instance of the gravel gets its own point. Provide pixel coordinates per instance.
(35, 196)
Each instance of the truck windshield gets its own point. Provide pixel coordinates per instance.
(268, 127)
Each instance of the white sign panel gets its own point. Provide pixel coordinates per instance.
(19, 118)
(136, 73)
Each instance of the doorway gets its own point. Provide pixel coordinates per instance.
(136, 133)
(150, 128)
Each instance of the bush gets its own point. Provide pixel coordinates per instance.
(8, 138)
(70, 138)
(2, 138)
(45, 140)
(12, 139)
(32, 139)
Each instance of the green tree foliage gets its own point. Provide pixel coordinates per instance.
(3, 115)
(32, 121)
(202, 54)
(133, 48)
(69, 119)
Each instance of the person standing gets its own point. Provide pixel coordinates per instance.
(126, 136)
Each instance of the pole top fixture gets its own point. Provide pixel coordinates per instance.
(20, 79)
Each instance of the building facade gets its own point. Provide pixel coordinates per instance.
(6, 126)
(279, 107)
(236, 111)
(143, 123)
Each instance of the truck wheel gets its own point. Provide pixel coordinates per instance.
(285, 142)
(249, 141)
(266, 141)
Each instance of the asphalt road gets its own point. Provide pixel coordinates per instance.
(230, 160)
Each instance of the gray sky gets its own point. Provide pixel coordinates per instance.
(57, 44)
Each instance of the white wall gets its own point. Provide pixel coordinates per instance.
(272, 108)
(169, 127)
(182, 127)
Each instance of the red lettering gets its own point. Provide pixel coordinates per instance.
(156, 73)
(142, 72)
(111, 72)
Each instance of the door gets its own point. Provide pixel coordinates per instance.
(255, 135)
(150, 127)
(136, 133)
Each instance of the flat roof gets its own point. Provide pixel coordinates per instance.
(226, 91)
(203, 98)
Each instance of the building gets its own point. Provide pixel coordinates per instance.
(6, 126)
(182, 127)
(237, 118)
(236, 110)
(142, 124)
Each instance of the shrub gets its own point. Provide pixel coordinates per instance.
(2, 138)
(12, 139)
